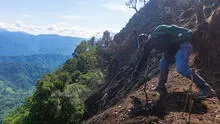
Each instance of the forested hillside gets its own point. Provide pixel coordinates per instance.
(51, 61)
(18, 76)
(8, 47)
(11, 97)
(59, 96)
(24, 58)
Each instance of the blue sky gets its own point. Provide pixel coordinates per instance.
(83, 18)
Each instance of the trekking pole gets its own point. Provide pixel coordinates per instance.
(145, 83)
(146, 96)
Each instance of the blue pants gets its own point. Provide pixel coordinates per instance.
(182, 59)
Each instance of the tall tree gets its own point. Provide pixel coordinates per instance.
(91, 42)
(106, 38)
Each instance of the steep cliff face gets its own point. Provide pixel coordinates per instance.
(121, 81)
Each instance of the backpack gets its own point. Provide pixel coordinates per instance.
(178, 34)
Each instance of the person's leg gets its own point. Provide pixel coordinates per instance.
(182, 59)
(164, 69)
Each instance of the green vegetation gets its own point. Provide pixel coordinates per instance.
(10, 98)
(51, 61)
(59, 96)
(18, 76)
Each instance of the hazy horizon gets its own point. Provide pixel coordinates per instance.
(67, 18)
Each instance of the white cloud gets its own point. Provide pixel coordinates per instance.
(56, 28)
(27, 15)
(117, 7)
(73, 17)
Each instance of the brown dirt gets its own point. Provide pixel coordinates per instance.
(170, 111)
(175, 109)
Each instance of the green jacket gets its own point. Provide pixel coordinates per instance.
(178, 34)
(167, 39)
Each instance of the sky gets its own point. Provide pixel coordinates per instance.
(81, 18)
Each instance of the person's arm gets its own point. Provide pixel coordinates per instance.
(140, 63)
(158, 39)
(154, 42)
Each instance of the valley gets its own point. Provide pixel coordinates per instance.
(24, 58)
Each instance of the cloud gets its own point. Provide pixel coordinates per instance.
(73, 17)
(118, 7)
(27, 15)
(64, 29)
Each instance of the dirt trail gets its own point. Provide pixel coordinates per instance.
(171, 111)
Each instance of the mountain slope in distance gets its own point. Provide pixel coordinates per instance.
(21, 43)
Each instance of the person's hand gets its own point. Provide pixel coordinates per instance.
(142, 38)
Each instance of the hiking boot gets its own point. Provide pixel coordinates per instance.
(162, 91)
(206, 90)
(206, 93)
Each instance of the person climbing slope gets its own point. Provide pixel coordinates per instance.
(174, 42)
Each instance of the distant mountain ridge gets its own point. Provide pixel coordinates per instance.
(21, 43)
(10, 48)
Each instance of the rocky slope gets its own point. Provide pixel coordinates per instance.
(122, 83)
(175, 110)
